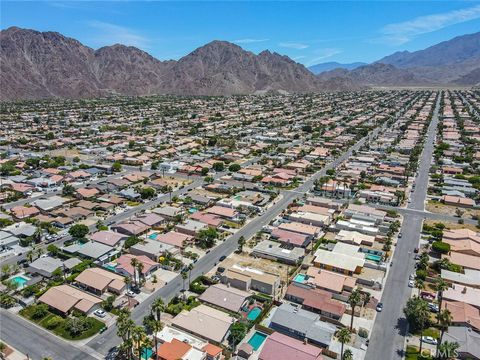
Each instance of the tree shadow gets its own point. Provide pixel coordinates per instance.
(401, 326)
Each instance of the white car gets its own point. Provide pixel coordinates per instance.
(100, 313)
(411, 284)
(429, 340)
(411, 277)
(130, 293)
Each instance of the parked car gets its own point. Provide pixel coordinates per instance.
(411, 277)
(416, 250)
(411, 284)
(223, 257)
(433, 307)
(100, 313)
(130, 293)
(399, 235)
(220, 269)
(379, 307)
(429, 340)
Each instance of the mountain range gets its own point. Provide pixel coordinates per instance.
(35, 65)
(332, 65)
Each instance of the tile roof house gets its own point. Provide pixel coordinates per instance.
(109, 238)
(125, 267)
(65, 298)
(226, 297)
(302, 324)
(463, 314)
(99, 281)
(22, 212)
(206, 322)
(281, 347)
(315, 300)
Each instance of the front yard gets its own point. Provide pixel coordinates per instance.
(70, 328)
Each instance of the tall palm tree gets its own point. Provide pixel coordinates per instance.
(184, 277)
(354, 300)
(134, 263)
(125, 326)
(444, 319)
(138, 337)
(156, 310)
(344, 336)
(423, 314)
(189, 268)
(140, 268)
(440, 286)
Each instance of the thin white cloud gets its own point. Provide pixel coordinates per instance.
(293, 45)
(321, 54)
(109, 34)
(249, 41)
(402, 32)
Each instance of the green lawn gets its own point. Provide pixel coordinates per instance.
(412, 354)
(433, 332)
(95, 325)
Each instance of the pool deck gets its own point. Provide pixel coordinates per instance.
(256, 353)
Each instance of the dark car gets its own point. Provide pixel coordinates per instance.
(220, 269)
(416, 250)
(379, 307)
(223, 257)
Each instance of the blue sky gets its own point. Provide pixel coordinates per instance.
(308, 32)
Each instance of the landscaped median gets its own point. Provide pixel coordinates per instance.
(74, 327)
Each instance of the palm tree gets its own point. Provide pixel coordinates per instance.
(344, 336)
(138, 337)
(125, 326)
(184, 277)
(354, 300)
(423, 314)
(189, 268)
(241, 243)
(156, 309)
(419, 284)
(448, 350)
(134, 262)
(348, 355)
(440, 286)
(140, 267)
(444, 319)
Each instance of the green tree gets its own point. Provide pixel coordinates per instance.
(445, 319)
(207, 238)
(241, 243)
(219, 166)
(234, 167)
(418, 315)
(440, 286)
(157, 308)
(354, 300)
(68, 190)
(447, 350)
(147, 192)
(78, 231)
(116, 167)
(205, 171)
(237, 332)
(343, 336)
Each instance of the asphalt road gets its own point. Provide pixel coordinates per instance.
(15, 331)
(388, 336)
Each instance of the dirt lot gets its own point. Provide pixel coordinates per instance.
(245, 260)
(452, 225)
(440, 208)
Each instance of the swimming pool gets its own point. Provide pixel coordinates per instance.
(153, 236)
(111, 266)
(20, 281)
(146, 354)
(192, 210)
(376, 258)
(254, 313)
(257, 340)
(300, 278)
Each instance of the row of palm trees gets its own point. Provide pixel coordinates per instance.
(418, 309)
(135, 338)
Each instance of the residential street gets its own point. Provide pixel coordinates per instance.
(36, 342)
(388, 337)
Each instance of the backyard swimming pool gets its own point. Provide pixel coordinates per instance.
(300, 278)
(153, 236)
(257, 340)
(20, 281)
(254, 313)
(376, 258)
